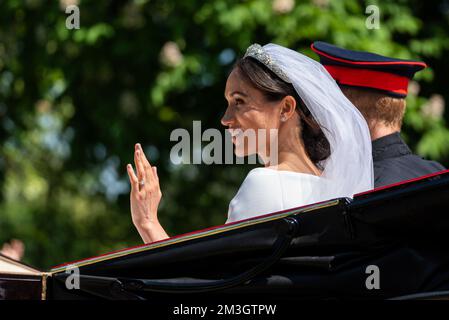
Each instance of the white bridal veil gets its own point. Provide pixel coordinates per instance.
(349, 169)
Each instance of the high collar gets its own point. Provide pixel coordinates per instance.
(389, 146)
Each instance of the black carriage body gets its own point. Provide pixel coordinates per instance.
(321, 251)
(19, 281)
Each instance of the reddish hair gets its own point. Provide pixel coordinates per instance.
(377, 107)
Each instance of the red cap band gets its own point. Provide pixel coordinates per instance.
(369, 78)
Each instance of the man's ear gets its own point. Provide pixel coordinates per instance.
(288, 107)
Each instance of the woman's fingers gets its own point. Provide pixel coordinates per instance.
(145, 172)
(141, 172)
(135, 163)
(146, 164)
(132, 178)
(154, 169)
(144, 158)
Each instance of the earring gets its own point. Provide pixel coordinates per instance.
(283, 119)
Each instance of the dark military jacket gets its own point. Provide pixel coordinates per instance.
(394, 162)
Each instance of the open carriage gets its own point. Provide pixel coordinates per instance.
(391, 242)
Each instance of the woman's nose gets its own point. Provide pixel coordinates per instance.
(226, 120)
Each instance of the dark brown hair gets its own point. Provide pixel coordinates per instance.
(274, 89)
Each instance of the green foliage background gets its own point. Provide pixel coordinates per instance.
(74, 102)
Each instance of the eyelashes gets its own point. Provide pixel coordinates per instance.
(239, 101)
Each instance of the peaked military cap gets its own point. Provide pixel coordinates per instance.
(367, 70)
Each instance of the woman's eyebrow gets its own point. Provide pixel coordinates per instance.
(237, 92)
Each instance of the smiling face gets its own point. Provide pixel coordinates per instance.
(266, 116)
(248, 111)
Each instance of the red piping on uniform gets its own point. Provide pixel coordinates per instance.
(417, 63)
(401, 183)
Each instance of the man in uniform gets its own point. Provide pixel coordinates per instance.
(377, 86)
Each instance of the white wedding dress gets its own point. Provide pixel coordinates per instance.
(349, 168)
(267, 190)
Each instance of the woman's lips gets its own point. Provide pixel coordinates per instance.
(235, 133)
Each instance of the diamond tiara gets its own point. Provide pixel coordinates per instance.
(257, 52)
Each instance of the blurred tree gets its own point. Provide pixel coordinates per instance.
(74, 102)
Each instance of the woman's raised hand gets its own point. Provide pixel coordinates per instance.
(145, 197)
